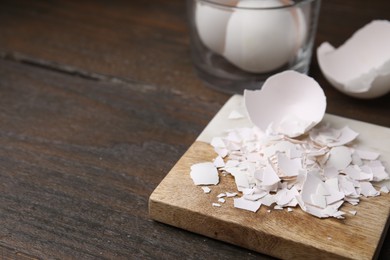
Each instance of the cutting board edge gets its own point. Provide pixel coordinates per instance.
(288, 249)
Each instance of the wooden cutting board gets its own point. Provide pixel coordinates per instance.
(288, 235)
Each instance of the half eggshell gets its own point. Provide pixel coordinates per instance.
(289, 103)
(361, 66)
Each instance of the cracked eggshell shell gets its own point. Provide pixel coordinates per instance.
(288, 95)
(263, 40)
(361, 66)
(211, 22)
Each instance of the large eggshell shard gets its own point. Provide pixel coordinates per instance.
(211, 22)
(204, 174)
(292, 102)
(361, 66)
(263, 40)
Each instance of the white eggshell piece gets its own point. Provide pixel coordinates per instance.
(384, 189)
(352, 212)
(346, 135)
(367, 155)
(218, 162)
(241, 180)
(235, 115)
(242, 203)
(211, 23)
(204, 174)
(206, 190)
(368, 190)
(269, 177)
(361, 66)
(310, 187)
(263, 40)
(255, 197)
(221, 200)
(290, 103)
(289, 167)
(339, 157)
(231, 194)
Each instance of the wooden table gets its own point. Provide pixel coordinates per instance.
(98, 100)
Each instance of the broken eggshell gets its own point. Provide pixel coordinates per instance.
(361, 66)
(289, 103)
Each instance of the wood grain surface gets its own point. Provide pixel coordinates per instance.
(286, 235)
(98, 100)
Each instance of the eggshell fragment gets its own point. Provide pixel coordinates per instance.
(204, 174)
(333, 137)
(206, 190)
(235, 115)
(384, 189)
(339, 157)
(263, 40)
(290, 103)
(242, 203)
(361, 66)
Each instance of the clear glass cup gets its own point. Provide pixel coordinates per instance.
(238, 44)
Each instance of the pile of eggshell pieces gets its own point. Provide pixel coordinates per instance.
(284, 161)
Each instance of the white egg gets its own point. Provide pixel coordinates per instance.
(263, 40)
(211, 22)
(361, 66)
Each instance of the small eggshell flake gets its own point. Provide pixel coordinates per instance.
(231, 194)
(289, 167)
(346, 135)
(269, 177)
(221, 195)
(330, 172)
(367, 189)
(219, 162)
(218, 142)
(235, 115)
(277, 207)
(204, 174)
(340, 157)
(310, 187)
(221, 200)
(206, 189)
(352, 212)
(367, 155)
(241, 180)
(292, 102)
(384, 189)
(242, 203)
(361, 66)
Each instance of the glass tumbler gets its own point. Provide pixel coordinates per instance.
(238, 44)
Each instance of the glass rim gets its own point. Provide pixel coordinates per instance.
(284, 6)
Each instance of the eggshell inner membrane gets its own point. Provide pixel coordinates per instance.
(361, 66)
(289, 103)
